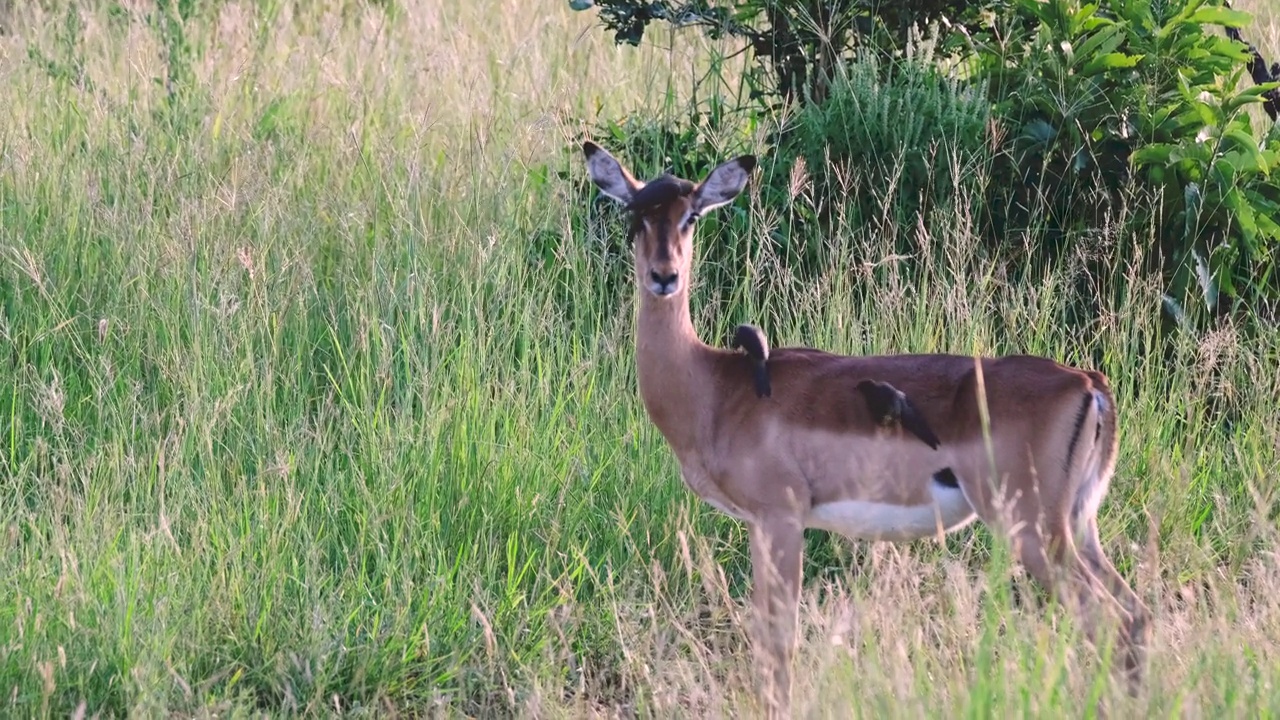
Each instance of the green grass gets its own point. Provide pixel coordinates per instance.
(296, 421)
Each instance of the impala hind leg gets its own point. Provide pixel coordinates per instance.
(777, 547)
(1052, 559)
(1137, 629)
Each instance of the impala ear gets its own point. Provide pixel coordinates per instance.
(723, 184)
(609, 175)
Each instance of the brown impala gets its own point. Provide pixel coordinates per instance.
(1024, 443)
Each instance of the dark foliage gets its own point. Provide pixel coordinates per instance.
(1134, 108)
(797, 44)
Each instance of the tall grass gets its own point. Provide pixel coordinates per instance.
(297, 421)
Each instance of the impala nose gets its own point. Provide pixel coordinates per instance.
(663, 284)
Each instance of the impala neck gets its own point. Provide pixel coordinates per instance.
(668, 365)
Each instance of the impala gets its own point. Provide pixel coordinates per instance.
(891, 448)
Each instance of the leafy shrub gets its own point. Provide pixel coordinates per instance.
(877, 151)
(1129, 108)
(891, 140)
(1141, 97)
(798, 45)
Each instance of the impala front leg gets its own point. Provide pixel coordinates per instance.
(777, 547)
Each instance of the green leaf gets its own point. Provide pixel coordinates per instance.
(1220, 262)
(1196, 153)
(1244, 215)
(1181, 129)
(1230, 50)
(1103, 41)
(1249, 145)
(1193, 201)
(1220, 16)
(1039, 131)
(1208, 114)
(1157, 154)
(1179, 19)
(1208, 285)
(1249, 95)
(1267, 227)
(1085, 12)
(1227, 166)
(1161, 115)
(1247, 163)
(1136, 13)
(1110, 61)
(1264, 204)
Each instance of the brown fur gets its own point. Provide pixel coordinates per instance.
(817, 453)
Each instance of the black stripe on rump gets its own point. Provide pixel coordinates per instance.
(1075, 433)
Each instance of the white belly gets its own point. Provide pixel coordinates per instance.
(880, 521)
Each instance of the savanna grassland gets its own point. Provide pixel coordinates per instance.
(318, 398)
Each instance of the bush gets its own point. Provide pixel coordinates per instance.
(798, 46)
(1141, 98)
(876, 151)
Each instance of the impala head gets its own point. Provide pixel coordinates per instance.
(663, 212)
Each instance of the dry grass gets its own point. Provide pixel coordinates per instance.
(293, 424)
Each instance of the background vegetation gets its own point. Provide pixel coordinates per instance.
(319, 392)
(1132, 108)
